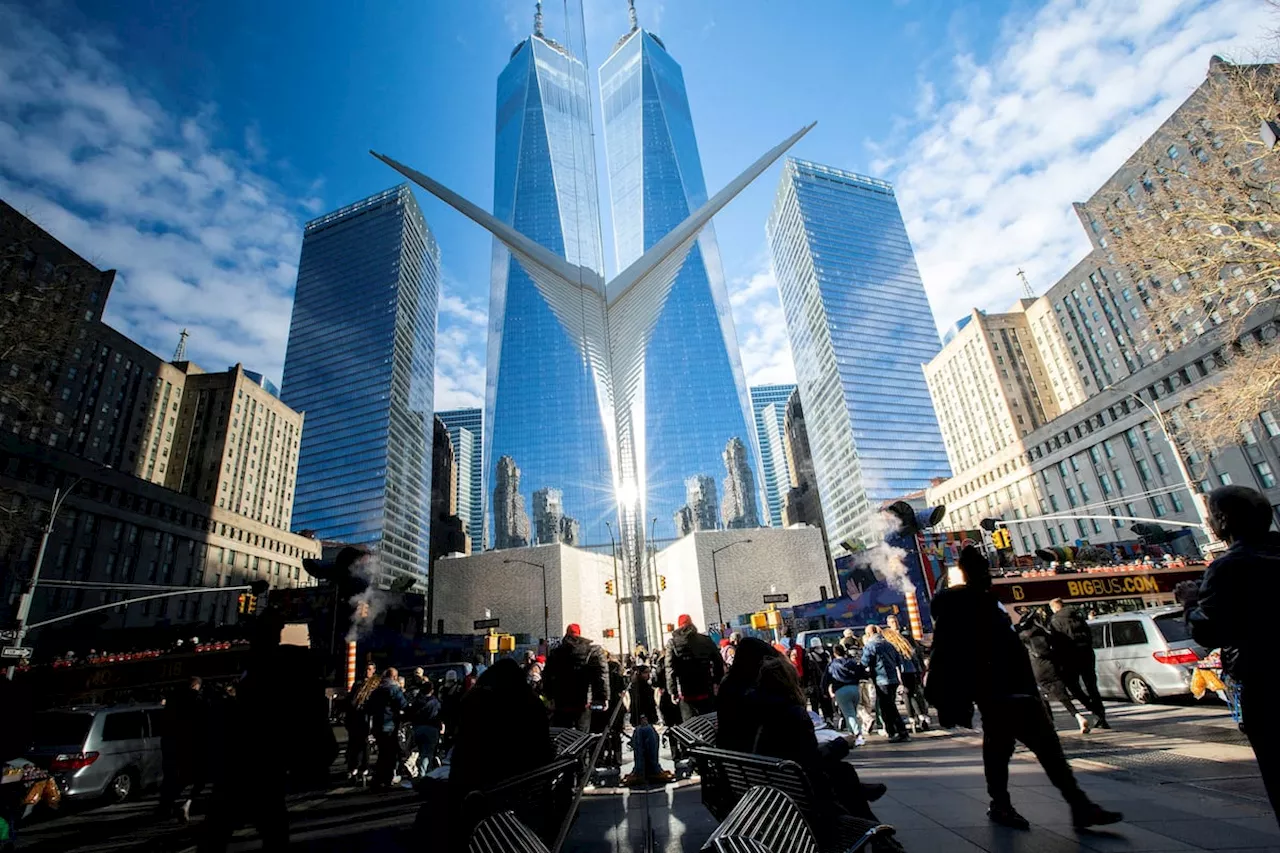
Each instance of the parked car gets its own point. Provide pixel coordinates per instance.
(100, 751)
(1145, 655)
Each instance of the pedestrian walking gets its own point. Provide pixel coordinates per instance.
(1072, 639)
(575, 680)
(425, 713)
(1231, 610)
(356, 722)
(694, 669)
(640, 697)
(845, 675)
(385, 706)
(184, 748)
(978, 659)
(912, 672)
(1049, 672)
(883, 662)
(817, 662)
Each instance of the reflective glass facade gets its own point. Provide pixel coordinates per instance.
(541, 401)
(466, 431)
(860, 329)
(361, 365)
(769, 407)
(695, 397)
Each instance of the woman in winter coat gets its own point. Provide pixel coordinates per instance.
(844, 676)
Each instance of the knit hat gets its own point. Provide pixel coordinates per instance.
(574, 630)
(684, 620)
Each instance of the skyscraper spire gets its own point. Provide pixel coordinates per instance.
(631, 11)
(180, 354)
(1027, 292)
(537, 19)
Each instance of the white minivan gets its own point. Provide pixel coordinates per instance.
(1144, 655)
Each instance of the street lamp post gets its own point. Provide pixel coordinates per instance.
(1196, 497)
(617, 590)
(546, 607)
(715, 574)
(29, 592)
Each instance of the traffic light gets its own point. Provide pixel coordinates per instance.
(662, 581)
(247, 603)
(1001, 539)
(241, 601)
(608, 587)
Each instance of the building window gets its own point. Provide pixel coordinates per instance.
(1053, 502)
(1131, 436)
(1265, 476)
(1176, 501)
(1158, 458)
(1224, 479)
(1144, 471)
(1105, 480)
(1272, 427)
(1053, 537)
(1094, 456)
(1157, 504)
(1246, 432)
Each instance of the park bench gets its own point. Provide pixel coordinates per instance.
(541, 799)
(727, 777)
(699, 731)
(504, 833)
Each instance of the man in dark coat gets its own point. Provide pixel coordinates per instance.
(694, 669)
(575, 680)
(1072, 641)
(184, 747)
(817, 661)
(1049, 672)
(1232, 610)
(385, 707)
(978, 659)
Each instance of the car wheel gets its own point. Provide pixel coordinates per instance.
(1137, 690)
(122, 786)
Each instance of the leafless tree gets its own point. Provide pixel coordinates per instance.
(1199, 231)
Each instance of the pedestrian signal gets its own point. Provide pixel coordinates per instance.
(759, 620)
(608, 587)
(662, 581)
(506, 643)
(491, 643)
(609, 632)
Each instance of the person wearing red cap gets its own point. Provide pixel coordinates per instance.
(575, 679)
(694, 668)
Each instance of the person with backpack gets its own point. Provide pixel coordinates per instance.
(1072, 641)
(883, 663)
(425, 713)
(844, 678)
(817, 660)
(694, 669)
(912, 673)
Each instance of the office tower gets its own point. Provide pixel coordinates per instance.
(691, 363)
(739, 507)
(510, 520)
(989, 385)
(448, 533)
(548, 513)
(701, 509)
(360, 365)
(545, 187)
(466, 431)
(235, 444)
(860, 329)
(769, 406)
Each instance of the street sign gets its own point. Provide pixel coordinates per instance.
(482, 624)
(8, 635)
(776, 598)
(15, 652)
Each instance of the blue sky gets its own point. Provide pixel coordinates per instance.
(186, 143)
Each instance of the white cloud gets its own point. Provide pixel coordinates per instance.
(460, 349)
(762, 329)
(987, 178)
(200, 240)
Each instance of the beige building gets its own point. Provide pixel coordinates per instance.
(989, 385)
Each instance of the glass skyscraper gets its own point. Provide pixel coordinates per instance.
(361, 365)
(769, 406)
(466, 431)
(860, 329)
(695, 397)
(542, 402)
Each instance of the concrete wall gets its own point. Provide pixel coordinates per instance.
(785, 560)
(512, 591)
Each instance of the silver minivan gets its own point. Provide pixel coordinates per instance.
(1144, 655)
(100, 751)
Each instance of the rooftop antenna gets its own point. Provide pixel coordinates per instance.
(631, 11)
(537, 19)
(1026, 285)
(180, 354)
